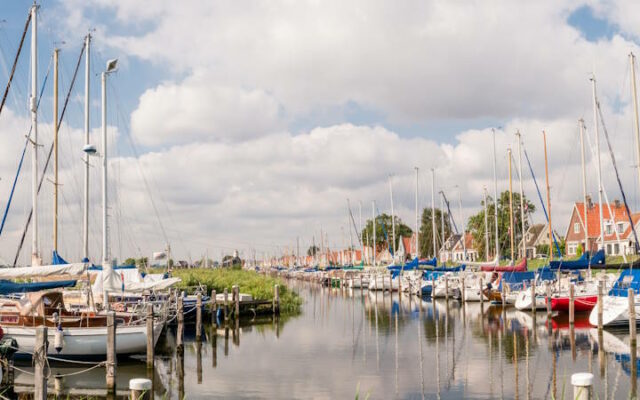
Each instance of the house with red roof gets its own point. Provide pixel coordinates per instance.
(465, 251)
(407, 248)
(618, 232)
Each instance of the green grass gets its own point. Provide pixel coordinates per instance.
(259, 286)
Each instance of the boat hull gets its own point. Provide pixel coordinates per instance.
(580, 303)
(523, 301)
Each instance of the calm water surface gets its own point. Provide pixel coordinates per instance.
(350, 342)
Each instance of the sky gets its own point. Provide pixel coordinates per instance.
(247, 125)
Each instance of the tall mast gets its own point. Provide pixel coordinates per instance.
(510, 204)
(524, 245)
(595, 122)
(442, 218)
(33, 108)
(634, 96)
(584, 186)
(546, 175)
(495, 193)
(105, 235)
(85, 215)
(55, 149)
(373, 211)
(393, 221)
(464, 230)
(433, 209)
(361, 238)
(417, 217)
(486, 225)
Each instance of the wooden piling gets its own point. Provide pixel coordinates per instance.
(140, 388)
(446, 287)
(533, 296)
(226, 305)
(214, 306)
(582, 386)
(481, 283)
(548, 304)
(433, 286)
(40, 360)
(572, 306)
(600, 305)
(276, 300)
(237, 301)
(462, 290)
(150, 337)
(198, 316)
(632, 315)
(503, 296)
(111, 352)
(180, 330)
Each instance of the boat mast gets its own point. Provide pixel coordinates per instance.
(510, 205)
(524, 245)
(417, 218)
(495, 193)
(584, 187)
(55, 149)
(546, 174)
(85, 216)
(597, 133)
(361, 238)
(486, 226)
(634, 96)
(373, 211)
(464, 229)
(433, 209)
(393, 221)
(442, 217)
(33, 108)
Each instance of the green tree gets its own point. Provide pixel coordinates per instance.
(476, 225)
(425, 240)
(313, 250)
(130, 261)
(383, 225)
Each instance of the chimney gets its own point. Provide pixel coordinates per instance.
(616, 202)
(589, 202)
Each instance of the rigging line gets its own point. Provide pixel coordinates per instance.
(615, 168)
(24, 150)
(546, 215)
(15, 62)
(46, 164)
(354, 223)
(446, 201)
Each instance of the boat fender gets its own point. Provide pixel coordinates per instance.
(58, 340)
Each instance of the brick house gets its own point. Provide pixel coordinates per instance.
(537, 234)
(618, 235)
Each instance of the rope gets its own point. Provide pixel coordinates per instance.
(15, 61)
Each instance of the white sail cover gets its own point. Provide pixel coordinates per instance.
(74, 269)
(128, 280)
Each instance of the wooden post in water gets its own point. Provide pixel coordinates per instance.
(433, 286)
(481, 293)
(150, 337)
(111, 352)
(533, 296)
(572, 306)
(462, 290)
(548, 304)
(214, 306)
(226, 305)
(276, 300)
(140, 388)
(237, 301)
(632, 315)
(503, 296)
(600, 305)
(198, 316)
(40, 360)
(180, 330)
(582, 386)
(446, 287)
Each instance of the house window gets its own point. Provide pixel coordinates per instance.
(620, 227)
(609, 249)
(576, 227)
(608, 228)
(572, 249)
(616, 249)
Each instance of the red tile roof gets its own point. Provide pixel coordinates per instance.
(593, 219)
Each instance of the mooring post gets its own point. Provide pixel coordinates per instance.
(180, 330)
(237, 301)
(226, 305)
(446, 287)
(276, 300)
(600, 305)
(462, 290)
(198, 316)
(111, 351)
(433, 286)
(214, 305)
(572, 306)
(140, 388)
(481, 283)
(632, 314)
(548, 304)
(150, 337)
(503, 296)
(533, 297)
(582, 386)
(40, 360)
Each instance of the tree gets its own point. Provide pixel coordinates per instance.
(476, 225)
(130, 261)
(425, 240)
(384, 231)
(313, 250)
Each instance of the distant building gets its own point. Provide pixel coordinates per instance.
(465, 251)
(407, 248)
(446, 251)
(537, 234)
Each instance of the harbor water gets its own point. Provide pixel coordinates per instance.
(348, 343)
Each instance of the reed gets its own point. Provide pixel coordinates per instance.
(260, 287)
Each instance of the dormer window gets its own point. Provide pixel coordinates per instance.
(608, 228)
(620, 227)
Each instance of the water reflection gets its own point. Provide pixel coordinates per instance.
(387, 345)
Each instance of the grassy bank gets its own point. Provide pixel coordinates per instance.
(257, 285)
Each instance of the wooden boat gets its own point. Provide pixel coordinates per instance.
(521, 267)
